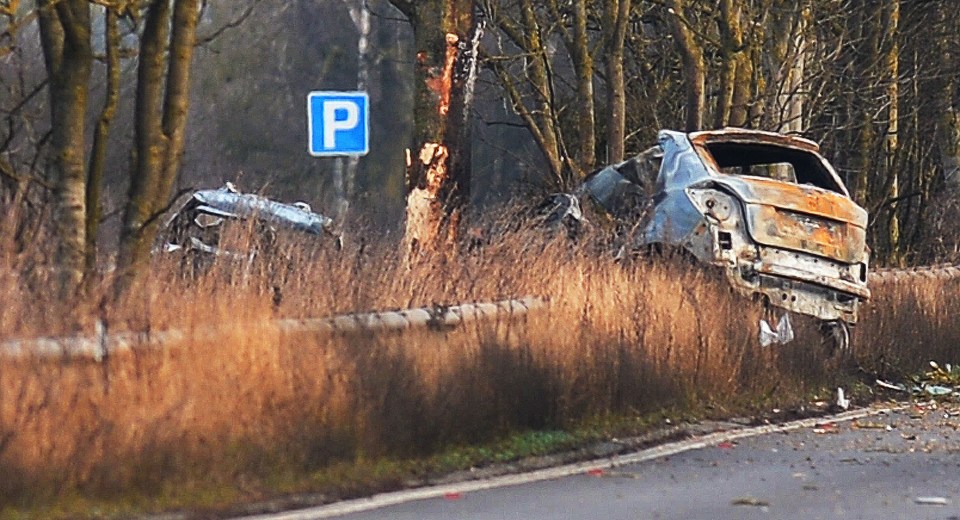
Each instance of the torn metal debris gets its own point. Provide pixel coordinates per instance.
(783, 333)
(197, 226)
(766, 208)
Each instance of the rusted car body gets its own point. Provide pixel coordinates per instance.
(766, 208)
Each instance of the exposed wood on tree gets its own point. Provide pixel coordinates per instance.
(438, 170)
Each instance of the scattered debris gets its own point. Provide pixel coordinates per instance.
(940, 382)
(562, 209)
(890, 386)
(749, 501)
(727, 445)
(782, 335)
(197, 227)
(868, 425)
(842, 402)
(931, 501)
(823, 428)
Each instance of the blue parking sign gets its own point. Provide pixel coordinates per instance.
(338, 123)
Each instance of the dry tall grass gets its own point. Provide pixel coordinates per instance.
(250, 403)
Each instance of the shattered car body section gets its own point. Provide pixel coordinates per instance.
(197, 226)
(766, 208)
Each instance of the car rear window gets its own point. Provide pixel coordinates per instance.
(773, 162)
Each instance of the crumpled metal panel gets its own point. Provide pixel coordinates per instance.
(674, 216)
(197, 226)
(227, 202)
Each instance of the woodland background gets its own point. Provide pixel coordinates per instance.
(561, 88)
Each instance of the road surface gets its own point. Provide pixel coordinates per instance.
(900, 464)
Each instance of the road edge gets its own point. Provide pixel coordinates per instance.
(664, 450)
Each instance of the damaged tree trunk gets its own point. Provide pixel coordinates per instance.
(438, 170)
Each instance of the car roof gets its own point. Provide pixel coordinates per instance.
(743, 135)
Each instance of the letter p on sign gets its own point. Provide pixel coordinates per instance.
(338, 123)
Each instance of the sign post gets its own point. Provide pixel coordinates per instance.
(338, 123)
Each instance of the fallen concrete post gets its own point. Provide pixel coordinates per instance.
(101, 344)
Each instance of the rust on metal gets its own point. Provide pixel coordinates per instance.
(768, 209)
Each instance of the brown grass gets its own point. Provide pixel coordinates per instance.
(245, 407)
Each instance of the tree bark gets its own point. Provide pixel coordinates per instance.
(65, 35)
(586, 149)
(438, 171)
(98, 155)
(616, 16)
(891, 24)
(160, 124)
(694, 66)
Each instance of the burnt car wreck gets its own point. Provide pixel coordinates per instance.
(767, 209)
(197, 229)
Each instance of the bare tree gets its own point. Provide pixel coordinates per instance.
(162, 100)
(694, 64)
(65, 33)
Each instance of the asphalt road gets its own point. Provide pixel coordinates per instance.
(902, 464)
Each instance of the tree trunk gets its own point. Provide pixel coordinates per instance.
(540, 118)
(98, 155)
(65, 34)
(891, 24)
(586, 153)
(694, 67)
(345, 170)
(616, 16)
(160, 126)
(860, 120)
(438, 171)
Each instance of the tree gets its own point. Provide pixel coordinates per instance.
(438, 168)
(616, 15)
(98, 153)
(162, 101)
(694, 63)
(65, 34)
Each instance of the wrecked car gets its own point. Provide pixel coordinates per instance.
(197, 228)
(768, 209)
